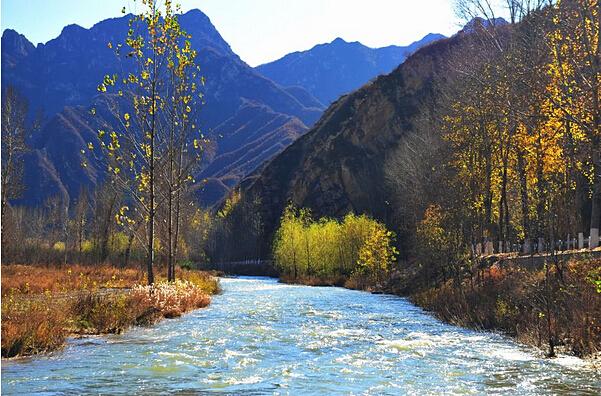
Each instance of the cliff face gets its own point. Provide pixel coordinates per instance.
(338, 166)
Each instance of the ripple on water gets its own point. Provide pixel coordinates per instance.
(263, 337)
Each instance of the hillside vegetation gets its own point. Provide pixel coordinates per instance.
(489, 138)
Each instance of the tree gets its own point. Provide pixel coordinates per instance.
(575, 41)
(152, 147)
(184, 144)
(14, 115)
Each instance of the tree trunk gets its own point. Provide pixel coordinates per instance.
(130, 241)
(524, 197)
(596, 199)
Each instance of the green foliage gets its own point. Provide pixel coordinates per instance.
(356, 246)
(59, 246)
(439, 248)
(594, 277)
(187, 265)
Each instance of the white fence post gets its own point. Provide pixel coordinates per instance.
(594, 238)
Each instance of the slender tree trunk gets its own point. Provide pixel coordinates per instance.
(130, 241)
(151, 204)
(176, 233)
(524, 197)
(596, 199)
(170, 235)
(5, 183)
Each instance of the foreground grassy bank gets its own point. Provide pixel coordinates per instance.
(557, 308)
(42, 306)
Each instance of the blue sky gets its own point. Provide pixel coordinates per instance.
(258, 30)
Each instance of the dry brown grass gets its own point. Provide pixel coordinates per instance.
(563, 308)
(41, 306)
(172, 299)
(27, 279)
(31, 326)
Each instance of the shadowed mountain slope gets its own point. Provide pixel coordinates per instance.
(338, 166)
(242, 108)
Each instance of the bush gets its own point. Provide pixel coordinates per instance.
(559, 305)
(172, 299)
(106, 314)
(358, 247)
(59, 246)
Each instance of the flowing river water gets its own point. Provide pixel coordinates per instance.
(263, 337)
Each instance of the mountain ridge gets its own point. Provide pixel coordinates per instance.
(338, 165)
(332, 69)
(61, 76)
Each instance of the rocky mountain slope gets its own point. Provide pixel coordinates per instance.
(330, 70)
(248, 117)
(338, 166)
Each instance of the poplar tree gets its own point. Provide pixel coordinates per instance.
(150, 150)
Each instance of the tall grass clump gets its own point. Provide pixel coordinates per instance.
(32, 326)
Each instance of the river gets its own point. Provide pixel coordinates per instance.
(263, 337)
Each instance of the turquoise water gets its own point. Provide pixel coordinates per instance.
(262, 337)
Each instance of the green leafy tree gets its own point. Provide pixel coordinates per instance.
(152, 152)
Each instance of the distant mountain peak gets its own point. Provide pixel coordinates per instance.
(248, 117)
(12, 36)
(75, 28)
(435, 36)
(15, 47)
(330, 70)
(195, 12)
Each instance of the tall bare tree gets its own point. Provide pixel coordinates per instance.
(14, 118)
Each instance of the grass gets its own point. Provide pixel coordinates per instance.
(42, 306)
(558, 309)
(27, 279)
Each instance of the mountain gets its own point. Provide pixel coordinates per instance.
(338, 166)
(248, 117)
(330, 70)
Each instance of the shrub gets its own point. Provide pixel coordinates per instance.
(95, 313)
(558, 304)
(357, 246)
(59, 246)
(172, 299)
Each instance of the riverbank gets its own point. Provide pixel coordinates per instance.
(41, 306)
(557, 309)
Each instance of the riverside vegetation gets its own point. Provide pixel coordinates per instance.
(41, 306)
(356, 252)
(503, 146)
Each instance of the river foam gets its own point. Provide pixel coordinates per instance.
(262, 337)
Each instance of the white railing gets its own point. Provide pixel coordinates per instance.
(537, 246)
